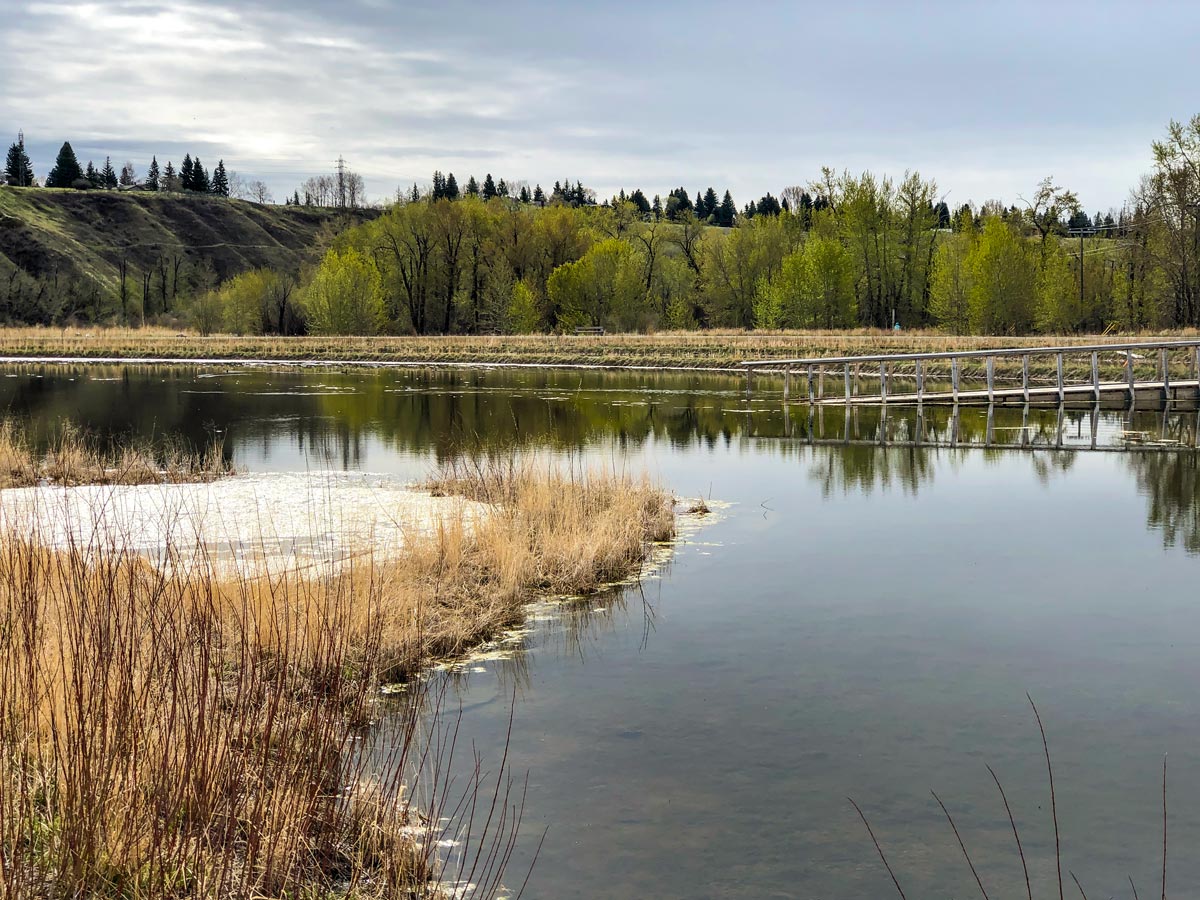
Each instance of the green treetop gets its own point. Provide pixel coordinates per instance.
(66, 169)
(18, 170)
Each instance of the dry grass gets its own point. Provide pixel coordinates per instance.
(75, 458)
(184, 734)
(703, 349)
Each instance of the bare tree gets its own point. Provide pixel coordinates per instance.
(260, 193)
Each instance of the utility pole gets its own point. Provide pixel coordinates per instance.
(1080, 232)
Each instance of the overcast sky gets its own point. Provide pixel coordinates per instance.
(984, 98)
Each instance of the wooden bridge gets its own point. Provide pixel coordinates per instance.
(1154, 373)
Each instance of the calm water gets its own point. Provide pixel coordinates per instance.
(861, 621)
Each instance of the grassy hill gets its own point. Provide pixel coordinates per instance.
(54, 235)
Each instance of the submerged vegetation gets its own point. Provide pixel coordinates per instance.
(188, 733)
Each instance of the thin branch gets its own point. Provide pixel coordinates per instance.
(1053, 799)
(966, 855)
(1164, 871)
(1013, 823)
(1078, 885)
(1133, 886)
(878, 849)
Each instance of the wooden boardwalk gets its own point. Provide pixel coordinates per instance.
(1148, 376)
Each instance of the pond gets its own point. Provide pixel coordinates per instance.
(860, 621)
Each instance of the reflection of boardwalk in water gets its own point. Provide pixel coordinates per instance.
(1152, 372)
(994, 427)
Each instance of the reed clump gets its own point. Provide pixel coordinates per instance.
(181, 732)
(75, 458)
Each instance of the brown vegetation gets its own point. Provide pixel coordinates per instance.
(181, 733)
(74, 458)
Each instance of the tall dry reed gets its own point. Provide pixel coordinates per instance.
(184, 733)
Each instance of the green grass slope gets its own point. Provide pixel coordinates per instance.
(47, 233)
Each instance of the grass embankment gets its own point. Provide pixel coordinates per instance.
(679, 349)
(74, 458)
(181, 733)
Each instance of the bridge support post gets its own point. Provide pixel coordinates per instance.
(1062, 394)
(954, 377)
(749, 380)
(920, 383)
(847, 373)
(787, 381)
(1164, 363)
(883, 385)
(1129, 378)
(1025, 378)
(810, 385)
(1096, 375)
(820, 382)
(991, 379)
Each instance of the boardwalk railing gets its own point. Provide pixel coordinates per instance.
(851, 370)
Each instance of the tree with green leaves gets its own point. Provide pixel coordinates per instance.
(128, 176)
(18, 170)
(950, 286)
(451, 187)
(345, 295)
(1003, 280)
(171, 180)
(472, 189)
(489, 187)
(66, 170)
(726, 212)
(153, 176)
(538, 196)
(186, 172)
(220, 180)
(200, 182)
(108, 175)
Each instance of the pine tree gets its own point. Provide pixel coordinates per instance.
(538, 196)
(439, 186)
(451, 187)
(170, 179)
(220, 180)
(415, 195)
(200, 182)
(502, 188)
(657, 207)
(95, 179)
(18, 170)
(489, 187)
(185, 172)
(108, 174)
(472, 187)
(701, 212)
(66, 169)
(128, 175)
(711, 206)
(727, 211)
(296, 198)
(152, 174)
(524, 195)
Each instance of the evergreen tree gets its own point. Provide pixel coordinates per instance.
(415, 194)
(538, 197)
(152, 174)
(200, 182)
(128, 175)
(296, 199)
(170, 179)
(489, 187)
(439, 186)
(767, 206)
(95, 179)
(185, 173)
(18, 170)
(524, 196)
(472, 187)
(727, 212)
(701, 212)
(638, 199)
(657, 207)
(502, 188)
(66, 169)
(108, 174)
(451, 187)
(711, 206)
(220, 180)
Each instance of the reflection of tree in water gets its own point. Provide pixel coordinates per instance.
(858, 468)
(1170, 482)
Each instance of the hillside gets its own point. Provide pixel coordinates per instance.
(87, 235)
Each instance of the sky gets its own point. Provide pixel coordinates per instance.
(984, 98)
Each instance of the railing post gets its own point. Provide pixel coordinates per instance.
(1096, 375)
(1165, 364)
(847, 373)
(810, 384)
(883, 381)
(1061, 392)
(749, 380)
(787, 381)
(1025, 377)
(920, 382)
(991, 378)
(1129, 378)
(954, 377)
(1198, 366)
(820, 382)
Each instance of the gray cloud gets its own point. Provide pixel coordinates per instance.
(986, 98)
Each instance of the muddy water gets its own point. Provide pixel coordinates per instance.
(861, 621)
